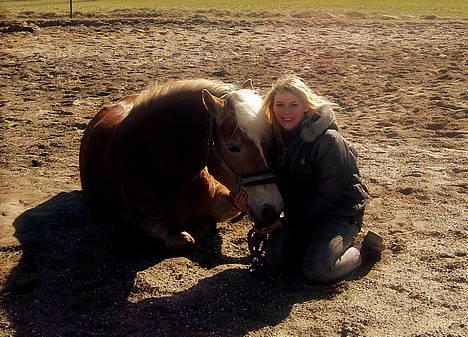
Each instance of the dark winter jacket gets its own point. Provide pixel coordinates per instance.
(318, 174)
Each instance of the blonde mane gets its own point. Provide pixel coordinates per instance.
(253, 123)
(155, 90)
(246, 103)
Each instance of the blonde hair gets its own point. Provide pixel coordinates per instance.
(299, 88)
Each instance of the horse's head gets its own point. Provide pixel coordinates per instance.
(239, 136)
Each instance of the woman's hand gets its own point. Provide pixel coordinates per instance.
(240, 201)
(270, 228)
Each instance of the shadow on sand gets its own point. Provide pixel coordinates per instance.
(75, 276)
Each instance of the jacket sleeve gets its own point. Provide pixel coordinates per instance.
(332, 169)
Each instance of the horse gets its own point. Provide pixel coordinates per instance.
(166, 159)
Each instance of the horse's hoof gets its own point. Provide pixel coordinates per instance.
(187, 237)
(181, 241)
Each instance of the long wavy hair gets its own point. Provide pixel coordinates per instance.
(299, 88)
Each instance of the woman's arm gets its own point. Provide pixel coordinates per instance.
(333, 169)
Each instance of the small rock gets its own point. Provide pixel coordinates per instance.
(80, 126)
(390, 89)
(18, 28)
(35, 163)
(219, 73)
(446, 255)
(103, 93)
(429, 17)
(457, 170)
(407, 190)
(459, 253)
(444, 77)
(396, 247)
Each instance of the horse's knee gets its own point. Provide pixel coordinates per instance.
(223, 205)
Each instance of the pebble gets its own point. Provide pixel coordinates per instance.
(406, 190)
(24, 27)
(446, 255)
(460, 253)
(396, 247)
(220, 73)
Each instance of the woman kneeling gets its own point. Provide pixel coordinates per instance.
(321, 187)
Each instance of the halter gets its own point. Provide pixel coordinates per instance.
(257, 178)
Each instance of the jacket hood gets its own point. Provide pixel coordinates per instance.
(311, 128)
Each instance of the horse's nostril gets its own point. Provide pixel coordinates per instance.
(269, 214)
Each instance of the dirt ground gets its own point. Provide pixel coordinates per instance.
(401, 84)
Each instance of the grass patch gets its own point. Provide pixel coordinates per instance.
(446, 8)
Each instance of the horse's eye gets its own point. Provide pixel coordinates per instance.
(233, 148)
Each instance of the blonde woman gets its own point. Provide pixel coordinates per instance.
(320, 184)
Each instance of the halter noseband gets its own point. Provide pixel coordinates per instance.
(257, 178)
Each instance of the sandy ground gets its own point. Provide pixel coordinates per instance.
(401, 84)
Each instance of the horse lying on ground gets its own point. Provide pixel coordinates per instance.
(149, 158)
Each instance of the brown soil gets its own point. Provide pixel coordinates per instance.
(401, 84)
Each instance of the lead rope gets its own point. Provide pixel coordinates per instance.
(256, 244)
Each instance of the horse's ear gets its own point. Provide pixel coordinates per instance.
(213, 104)
(248, 84)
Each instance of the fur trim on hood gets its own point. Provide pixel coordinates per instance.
(312, 129)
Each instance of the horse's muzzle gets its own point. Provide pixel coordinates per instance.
(268, 216)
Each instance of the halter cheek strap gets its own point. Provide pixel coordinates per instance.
(257, 178)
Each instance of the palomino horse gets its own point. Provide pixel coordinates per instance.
(148, 157)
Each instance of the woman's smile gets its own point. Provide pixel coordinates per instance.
(288, 109)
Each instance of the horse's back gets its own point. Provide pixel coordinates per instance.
(167, 135)
(96, 149)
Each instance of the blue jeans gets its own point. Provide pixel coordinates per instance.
(315, 253)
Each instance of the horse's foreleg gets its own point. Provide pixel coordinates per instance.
(223, 207)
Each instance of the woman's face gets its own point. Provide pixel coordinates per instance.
(288, 109)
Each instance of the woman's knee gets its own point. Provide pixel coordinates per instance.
(327, 273)
(331, 256)
(318, 263)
